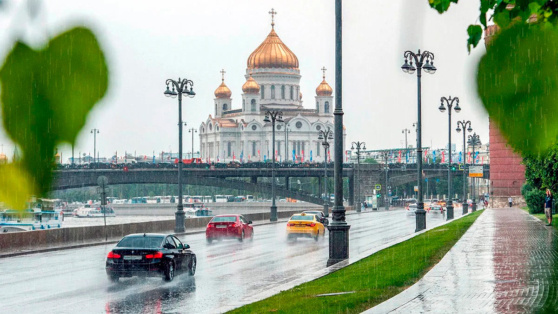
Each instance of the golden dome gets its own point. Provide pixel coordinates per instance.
(3, 156)
(272, 53)
(223, 90)
(251, 86)
(324, 89)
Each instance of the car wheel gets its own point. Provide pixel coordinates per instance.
(326, 222)
(209, 240)
(193, 263)
(317, 236)
(114, 278)
(169, 271)
(241, 237)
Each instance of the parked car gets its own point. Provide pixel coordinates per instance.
(150, 255)
(411, 209)
(319, 214)
(227, 227)
(304, 225)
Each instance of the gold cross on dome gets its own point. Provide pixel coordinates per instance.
(223, 74)
(272, 12)
(323, 70)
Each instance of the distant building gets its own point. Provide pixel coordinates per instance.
(272, 83)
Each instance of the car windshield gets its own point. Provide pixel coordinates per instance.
(224, 219)
(312, 213)
(141, 242)
(300, 217)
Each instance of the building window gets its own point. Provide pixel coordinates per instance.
(224, 107)
(210, 126)
(229, 146)
(326, 107)
(283, 92)
(254, 128)
(279, 127)
(272, 91)
(253, 105)
(292, 93)
(298, 125)
(254, 148)
(215, 109)
(263, 91)
(278, 149)
(317, 106)
(243, 104)
(318, 148)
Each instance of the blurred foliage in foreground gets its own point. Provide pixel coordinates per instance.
(46, 97)
(517, 79)
(541, 173)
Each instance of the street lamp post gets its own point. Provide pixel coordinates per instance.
(178, 88)
(386, 168)
(273, 116)
(474, 140)
(95, 132)
(325, 136)
(286, 142)
(449, 102)
(424, 60)
(406, 131)
(358, 146)
(338, 229)
(465, 125)
(193, 130)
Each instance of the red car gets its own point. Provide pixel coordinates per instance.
(229, 226)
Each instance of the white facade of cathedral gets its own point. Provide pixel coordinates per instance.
(272, 83)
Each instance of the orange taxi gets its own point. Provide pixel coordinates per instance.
(304, 226)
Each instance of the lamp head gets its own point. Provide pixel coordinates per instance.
(470, 129)
(191, 92)
(321, 136)
(457, 108)
(458, 129)
(442, 108)
(266, 119)
(168, 92)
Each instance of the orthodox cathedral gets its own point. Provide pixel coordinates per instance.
(272, 84)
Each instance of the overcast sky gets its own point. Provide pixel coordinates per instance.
(147, 42)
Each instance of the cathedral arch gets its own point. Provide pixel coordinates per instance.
(326, 107)
(253, 105)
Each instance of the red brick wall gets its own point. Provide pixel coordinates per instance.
(507, 174)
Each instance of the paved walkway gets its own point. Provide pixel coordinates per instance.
(507, 262)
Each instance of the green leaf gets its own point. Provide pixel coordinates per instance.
(15, 186)
(517, 81)
(441, 5)
(47, 94)
(475, 35)
(502, 18)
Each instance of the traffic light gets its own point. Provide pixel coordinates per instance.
(378, 195)
(453, 168)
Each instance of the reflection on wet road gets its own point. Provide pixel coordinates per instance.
(228, 271)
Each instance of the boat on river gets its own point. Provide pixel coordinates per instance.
(94, 211)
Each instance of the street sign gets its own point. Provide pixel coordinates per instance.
(475, 171)
(461, 168)
(378, 187)
(416, 188)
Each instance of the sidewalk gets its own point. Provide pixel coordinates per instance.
(507, 262)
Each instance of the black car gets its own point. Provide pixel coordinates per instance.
(320, 215)
(150, 255)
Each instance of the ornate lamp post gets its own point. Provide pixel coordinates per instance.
(193, 130)
(95, 132)
(465, 124)
(325, 136)
(424, 60)
(338, 229)
(178, 88)
(474, 140)
(449, 102)
(386, 168)
(406, 131)
(358, 146)
(273, 116)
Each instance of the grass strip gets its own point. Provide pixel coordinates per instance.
(542, 217)
(373, 279)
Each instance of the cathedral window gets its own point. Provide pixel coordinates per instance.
(317, 148)
(243, 104)
(283, 92)
(229, 147)
(298, 125)
(272, 91)
(224, 107)
(326, 107)
(215, 109)
(292, 93)
(253, 105)
(263, 91)
(317, 106)
(254, 148)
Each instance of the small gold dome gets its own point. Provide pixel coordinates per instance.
(223, 90)
(251, 86)
(324, 89)
(3, 156)
(272, 53)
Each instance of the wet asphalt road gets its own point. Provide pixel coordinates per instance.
(229, 271)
